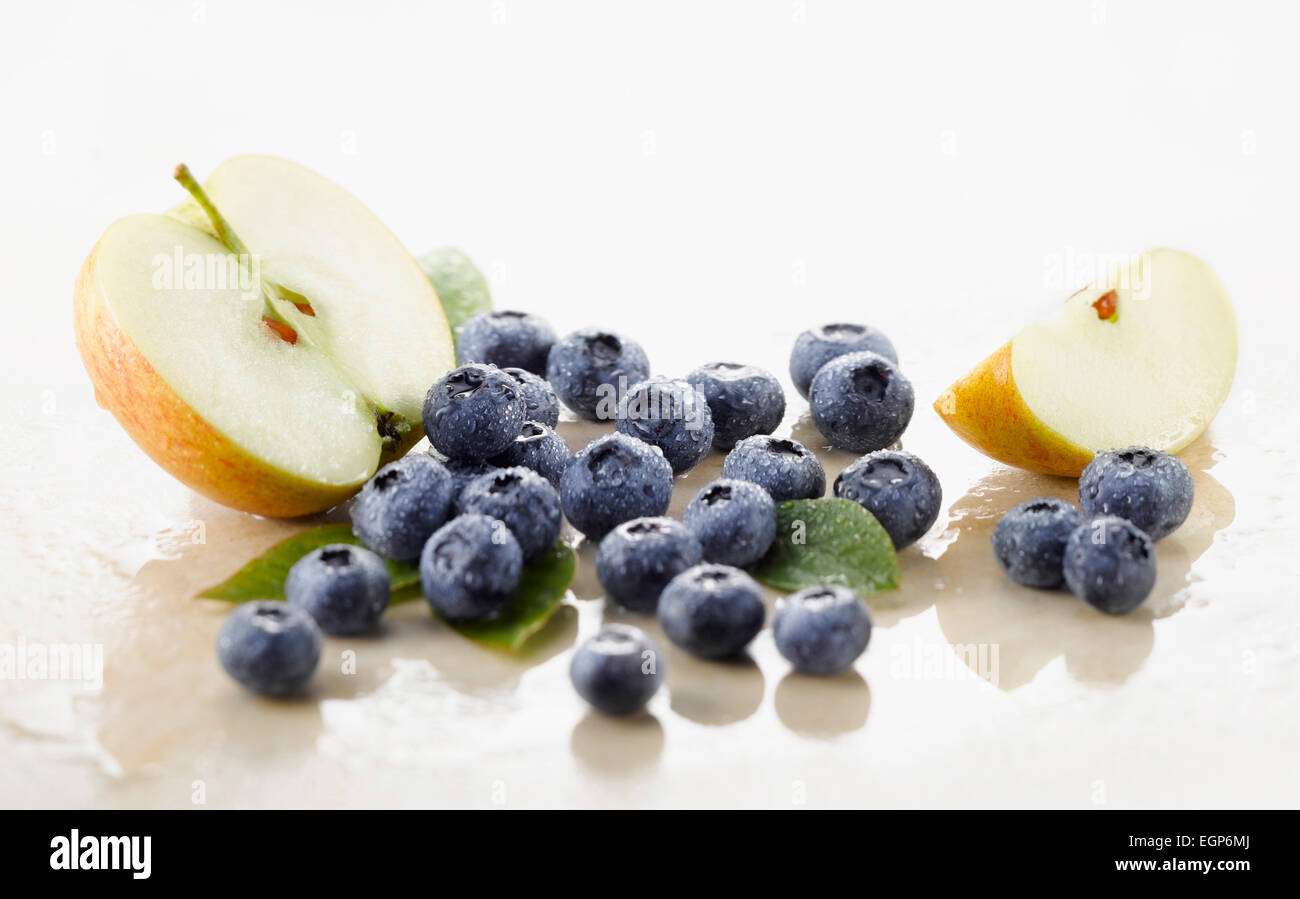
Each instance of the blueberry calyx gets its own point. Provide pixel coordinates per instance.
(784, 448)
(337, 558)
(870, 380)
(718, 493)
(842, 331)
(603, 347)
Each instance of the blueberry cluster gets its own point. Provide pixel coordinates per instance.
(858, 398)
(1104, 554)
(689, 575)
(472, 512)
(494, 489)
(817, 346)
(492, 494)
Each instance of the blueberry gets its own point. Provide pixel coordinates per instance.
(816, 347)
(712, 611)
(671, 415)
(614, 479)
(1149, 488)
(744, 400)
(270, 647)
(586, 369)
(506, 339)
(861, 402)
(345, 588)
(540, 402)
(821, 630)
(735, 521)
(539, 448)
(638, 558)
(1029, 541)
(470, 568)
(521, 498)
(1110, 564)
(784, 468)
(618, 670)
(463, 472)
(474, 412)
(899, 489)
(405, 502)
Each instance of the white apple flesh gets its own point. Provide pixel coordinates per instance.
(1152, 373)
(1145, 356)
(203, 377)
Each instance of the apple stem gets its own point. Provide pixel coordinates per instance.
(225, 233)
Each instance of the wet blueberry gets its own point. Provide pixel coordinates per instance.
(1153, 490)
(270, 647)
(524, 500)
(637, 559)
(784, 468)
(1110, 564)
(590, 368)
(735, 521)
(614, 479)
(473, 412)
(470, 568)
(712, 611)
(744, 400)
(861, 402)
(1029, 541)
(618, 670)
(405, 502)
(539, 448)
(900, 490)
(815, 347)
(822, 630)
(506, 339)
(671, 415)
(345, 588)
(540, 402)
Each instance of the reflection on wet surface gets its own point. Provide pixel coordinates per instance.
(617, 747)
(406, 715)
(823, 707)
(404, 690)
(714, 693)
(978, 606)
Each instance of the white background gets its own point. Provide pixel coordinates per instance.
(614, 161)
(710, 178)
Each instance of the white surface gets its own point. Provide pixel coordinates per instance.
(710, 178)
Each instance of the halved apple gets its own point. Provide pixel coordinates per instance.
(279, 391)
(1145, 356)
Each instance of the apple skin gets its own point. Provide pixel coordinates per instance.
(986, 410)
(173, 435)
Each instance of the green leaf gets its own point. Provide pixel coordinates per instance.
(541, 588)
(460, 286)
(828, 541)
(263, 578)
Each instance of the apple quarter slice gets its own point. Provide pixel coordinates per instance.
(1145, 356)
(1153, 372)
